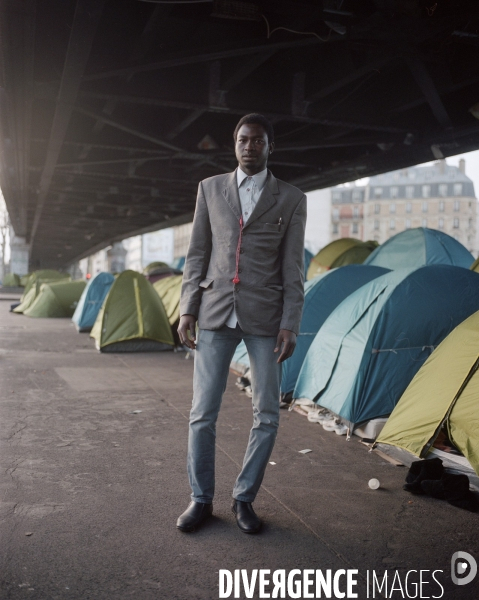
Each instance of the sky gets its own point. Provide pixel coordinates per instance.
(319, 201)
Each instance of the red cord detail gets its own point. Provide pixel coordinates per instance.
(236, 279)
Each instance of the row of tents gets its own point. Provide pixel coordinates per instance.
(366, 332)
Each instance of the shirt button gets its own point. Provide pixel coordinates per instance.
(247, 189)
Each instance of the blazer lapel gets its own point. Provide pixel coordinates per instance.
(231, 194)
(266, 200)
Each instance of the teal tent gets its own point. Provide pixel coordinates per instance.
(323, 294)
(415, 248)
(91, 300)
(370, 347)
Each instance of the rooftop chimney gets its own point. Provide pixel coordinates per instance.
(462, 166)
(441, 165)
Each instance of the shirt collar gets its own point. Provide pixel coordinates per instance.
(259, 178)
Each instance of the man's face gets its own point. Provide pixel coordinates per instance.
(252, 148)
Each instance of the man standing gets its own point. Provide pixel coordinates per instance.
(243, 279)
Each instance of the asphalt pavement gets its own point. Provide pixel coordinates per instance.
(93, 453)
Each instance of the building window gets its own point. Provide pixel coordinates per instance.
(336, 195)
(357, 196)
(376, 224)
(335, 213)
(443, 189)
(356, 212)
(457, 205)
(456, 223)
(424, 207)
(442, 205)
(335, 228)
(470, 222)
(426, 191)
(408, 223)
(392, 224)
(458, 189)
(378, 192)
(408, 207)
(394, 192)
(441, 223)
(377, 209)
(424, 223)
(409, 191)
(392, 208)
(355, 228)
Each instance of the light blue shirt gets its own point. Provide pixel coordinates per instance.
(249, 190)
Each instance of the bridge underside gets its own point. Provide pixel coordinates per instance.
(113, 110)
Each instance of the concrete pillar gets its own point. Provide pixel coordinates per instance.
(19, 251)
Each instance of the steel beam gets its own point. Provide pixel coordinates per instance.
(85, 22)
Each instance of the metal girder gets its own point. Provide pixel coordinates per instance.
(85, 22)
(427, 87)
(182, 59)
(238, 111)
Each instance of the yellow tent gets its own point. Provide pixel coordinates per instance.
(169, 290)
(132, 318)
(475, 266)
(444, 393)
(345, 251)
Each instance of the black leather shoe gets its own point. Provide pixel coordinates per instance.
(194, 516)
(246, 518)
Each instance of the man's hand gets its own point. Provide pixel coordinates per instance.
(187, 324)
(287, 339)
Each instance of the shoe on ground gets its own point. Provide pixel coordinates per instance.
(246, 519)
(194, 516)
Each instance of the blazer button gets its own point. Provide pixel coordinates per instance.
(241, 250)
(240, 270)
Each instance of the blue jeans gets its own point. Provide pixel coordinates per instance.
(214, 351)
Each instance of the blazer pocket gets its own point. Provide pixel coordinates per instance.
(275, 227)
(205, 283)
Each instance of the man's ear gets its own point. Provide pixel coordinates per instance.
(271, 148)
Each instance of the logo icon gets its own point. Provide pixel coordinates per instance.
(461, 562)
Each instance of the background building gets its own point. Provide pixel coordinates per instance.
(439, 196)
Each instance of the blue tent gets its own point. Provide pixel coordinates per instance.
(91, 300)
(415, 248)
(323, 294)
(240, 361)
(372, 345)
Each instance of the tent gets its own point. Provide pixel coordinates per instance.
(372, 345)
(91, 300)
(56, 299)
(353, 252)
(32, 290)
(132, 318)
(44, 275)
(414, 248)
(444, 392)
(153, 266)
(323, 295)
(179, 263)
(475, 266)
(169, 290)
(308, 256)
(240, 362)
(11, 280)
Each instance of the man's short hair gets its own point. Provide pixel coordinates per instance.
(255, 119)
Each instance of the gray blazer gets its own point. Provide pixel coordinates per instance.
(270, 294)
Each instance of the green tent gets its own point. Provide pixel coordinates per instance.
(444, 393)
(56, 299)
(169, 290)
(132, 318)
(153, 266)
(11, 280)
(345, 251)
(44, 276)
(30, 295)
(24, 279)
